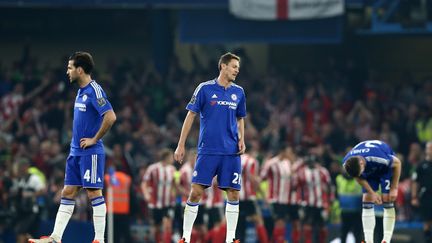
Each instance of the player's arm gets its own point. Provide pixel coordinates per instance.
(108, 120)
(414, 189)
(187, 125)
(396, 167)
(375, 197)
(145, 188)
(241, 142)
(414, 197)
(364, 184)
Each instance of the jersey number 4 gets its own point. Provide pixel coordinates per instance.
(87, 175)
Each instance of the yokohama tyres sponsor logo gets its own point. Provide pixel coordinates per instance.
(230, 104)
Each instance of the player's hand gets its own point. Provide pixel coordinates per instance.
(393, 194)
(179, 154)
(147, 197)
(87, 142)
(241, 147)
(376, 198)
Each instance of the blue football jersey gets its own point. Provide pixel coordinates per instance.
(378, 156)
(90, 105)
(219, 109)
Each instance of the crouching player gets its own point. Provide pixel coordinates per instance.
(373, 163)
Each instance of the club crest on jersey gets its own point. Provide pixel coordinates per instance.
(101, 101)
(84, 98)
(234, 97)
(195, 173)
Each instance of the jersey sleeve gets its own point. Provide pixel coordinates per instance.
(99, 100)
(148, 174)
(241, 110)
(196, 102)
(265, 171)
(388, 153)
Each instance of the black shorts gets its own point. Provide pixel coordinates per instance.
(425, 209)
(248, 208)
(28, 223)
(200, 216)
(285, 211)
(214, 214)
(313, 216)
(159, 213)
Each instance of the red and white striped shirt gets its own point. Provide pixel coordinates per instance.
(186, 179)
(10, 104)
(160, 181)
(213, 196)
(249, 170)
(278, 173)
(314, 186)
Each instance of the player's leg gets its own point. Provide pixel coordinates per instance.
(389, 217)
(157, 215)
(257, 218)
(92, 171)
(279, 214)
(200, 228)
(320, 219)
(191, 210)
(241, 225)
(368, 212)
(295, 222)
(167, 223)
(229, 178)
(425, 212)
(308, 220)
(204, 171)
(231, 213)
(67, 203)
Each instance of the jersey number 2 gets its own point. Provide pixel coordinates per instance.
(387, 182)
(237, 179)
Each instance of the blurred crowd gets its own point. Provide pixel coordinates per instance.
(325, 111)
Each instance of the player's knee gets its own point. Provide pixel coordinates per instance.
(196, 193)
(388, 205)
(233, 195)
(93, 193)
(69, 192)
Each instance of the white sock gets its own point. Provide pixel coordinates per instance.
(388, 221)
(64, 213)
(99, 216)
(368, 220)
(231, 214)
(190, 214)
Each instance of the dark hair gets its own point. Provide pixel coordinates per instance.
(164, 153)
(83, 60)
(226, 58)
(352, 166)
